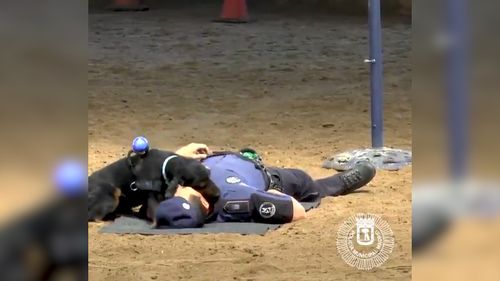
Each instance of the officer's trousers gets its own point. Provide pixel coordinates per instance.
(302, 187)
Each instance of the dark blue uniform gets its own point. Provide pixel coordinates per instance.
(243, 184)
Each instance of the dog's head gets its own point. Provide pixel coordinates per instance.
(150, 171)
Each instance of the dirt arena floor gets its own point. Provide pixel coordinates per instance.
(293, 87)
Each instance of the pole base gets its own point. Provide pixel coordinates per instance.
(384, 158)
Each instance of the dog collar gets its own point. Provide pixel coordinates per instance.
(165, 165)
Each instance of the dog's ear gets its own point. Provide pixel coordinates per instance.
(133, 158)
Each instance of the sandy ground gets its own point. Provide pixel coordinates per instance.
(294, 88)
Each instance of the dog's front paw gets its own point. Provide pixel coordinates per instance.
(169, 194)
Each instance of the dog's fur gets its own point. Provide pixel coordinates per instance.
(110, 192)
(179, 171)
(186, 172)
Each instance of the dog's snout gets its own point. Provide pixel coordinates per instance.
(212, 190)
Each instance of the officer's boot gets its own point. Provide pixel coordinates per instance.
(358, 176)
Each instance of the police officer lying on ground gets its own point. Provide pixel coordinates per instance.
(250, 191)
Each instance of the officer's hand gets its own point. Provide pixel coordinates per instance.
(194, 150)
(274, 191)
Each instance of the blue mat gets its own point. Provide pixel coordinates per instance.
(129, 225)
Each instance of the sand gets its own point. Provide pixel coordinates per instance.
(295, 88)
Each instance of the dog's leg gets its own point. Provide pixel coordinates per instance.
(148, 209)
(116, 202)
(153, 202)
(103, 203)
(172, 188)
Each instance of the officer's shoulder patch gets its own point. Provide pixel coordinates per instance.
(267, 210)
(233, 180)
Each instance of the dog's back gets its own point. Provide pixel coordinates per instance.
(109, 190)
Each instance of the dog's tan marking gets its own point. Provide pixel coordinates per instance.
(117, 193)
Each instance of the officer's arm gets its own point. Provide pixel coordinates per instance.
(298, 210)
(194, 150)
(267, 207)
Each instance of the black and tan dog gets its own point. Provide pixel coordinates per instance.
(162, 172)
(110, 191)
(144, 180)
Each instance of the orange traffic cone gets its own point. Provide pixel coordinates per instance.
(128, 5)
(234, 11)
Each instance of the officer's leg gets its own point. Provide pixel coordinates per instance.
(296, 183)
(301, 186)
(347, 181)
(331, 186)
